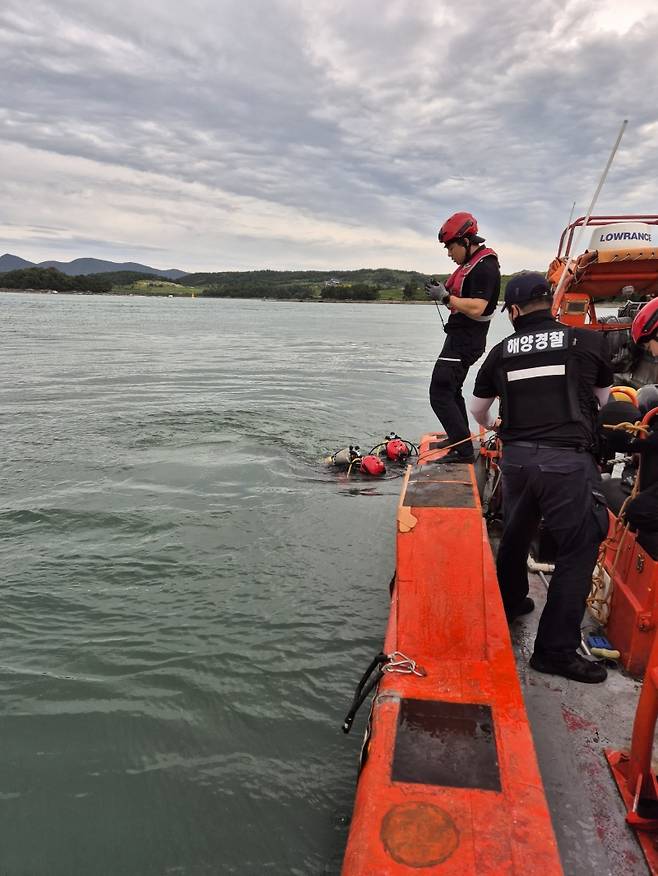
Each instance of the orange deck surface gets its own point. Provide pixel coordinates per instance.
(447, 615)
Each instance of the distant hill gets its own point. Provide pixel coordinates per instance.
(79, 267)
(13, 263)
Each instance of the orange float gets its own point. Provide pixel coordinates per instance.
(449, 782)
(633, 574)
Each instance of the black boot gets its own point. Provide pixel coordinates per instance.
(569, 665)
(466, 457)
(524, 607)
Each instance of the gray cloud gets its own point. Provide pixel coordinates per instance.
(274, 134)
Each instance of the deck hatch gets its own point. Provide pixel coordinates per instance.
(447, 744)
(437, 471)
(432, 494)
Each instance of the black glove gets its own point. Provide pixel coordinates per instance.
(437, 291)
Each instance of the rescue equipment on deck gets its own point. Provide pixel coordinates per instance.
(624, 393)
(600, 646)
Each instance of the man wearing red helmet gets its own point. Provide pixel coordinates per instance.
(471, 293)
(645, 327)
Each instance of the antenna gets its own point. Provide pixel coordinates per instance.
(557, 297)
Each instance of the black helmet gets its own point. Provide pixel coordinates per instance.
(647, 398)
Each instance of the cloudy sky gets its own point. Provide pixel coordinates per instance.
(295, 134)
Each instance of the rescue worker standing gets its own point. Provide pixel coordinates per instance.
(550, 379)
(471, 293)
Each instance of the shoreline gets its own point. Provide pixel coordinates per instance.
(613, 302)
(215, 297)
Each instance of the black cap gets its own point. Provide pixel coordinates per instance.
(525, 286)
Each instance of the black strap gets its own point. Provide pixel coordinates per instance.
(364, 687)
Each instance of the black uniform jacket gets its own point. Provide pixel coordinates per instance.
(545, 376)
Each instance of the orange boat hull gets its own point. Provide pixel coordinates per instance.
(450, 782)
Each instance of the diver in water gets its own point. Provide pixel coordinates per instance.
(550, 379)
(471, 293)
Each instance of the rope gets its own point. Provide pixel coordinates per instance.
(438, 310)
(381, 663)
(349, 467)
(480, 434)
(634, 428)
(600, 596)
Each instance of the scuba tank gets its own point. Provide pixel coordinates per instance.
(345, 457)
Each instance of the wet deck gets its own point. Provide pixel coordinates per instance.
(572, 723)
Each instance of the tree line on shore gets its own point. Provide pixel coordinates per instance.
(359, 285)
(51, 278)
(363, 284)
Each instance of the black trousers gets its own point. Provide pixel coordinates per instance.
(446, 396)
(560, 486)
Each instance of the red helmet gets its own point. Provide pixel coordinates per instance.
(645, 324)
(458, 225)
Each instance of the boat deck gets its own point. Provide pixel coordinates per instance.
(572, 724)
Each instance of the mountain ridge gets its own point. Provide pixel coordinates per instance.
(83, 266)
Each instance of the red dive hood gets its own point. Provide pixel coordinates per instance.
(397, 450)
(372, 465)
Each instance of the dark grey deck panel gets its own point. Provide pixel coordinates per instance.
(432, 494)
(447, 744)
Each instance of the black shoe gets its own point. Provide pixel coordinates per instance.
(439, 445)
(569, 665)
(525, 607)
(455, 456)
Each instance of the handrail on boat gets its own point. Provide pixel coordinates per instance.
(594, 221)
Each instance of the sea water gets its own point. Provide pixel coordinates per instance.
(188, 594)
